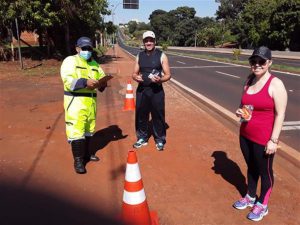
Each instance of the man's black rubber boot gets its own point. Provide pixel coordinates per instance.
(89, 153)
(78, 150)
(94, 158)
(79, 166)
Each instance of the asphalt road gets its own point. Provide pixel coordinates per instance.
(276, 59)
(222, 83)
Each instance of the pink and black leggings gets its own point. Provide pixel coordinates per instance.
(259, 166)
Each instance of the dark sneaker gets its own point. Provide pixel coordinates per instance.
(258, 212)
(159, 146)
(245, 202)
(140, 143)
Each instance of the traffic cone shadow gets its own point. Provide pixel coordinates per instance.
(129, 99)
(135, 210)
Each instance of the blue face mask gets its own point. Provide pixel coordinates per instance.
(85, 54)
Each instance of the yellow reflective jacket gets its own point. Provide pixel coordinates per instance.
(75, 71)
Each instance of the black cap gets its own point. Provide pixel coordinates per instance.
(84, 41)
(262, 52)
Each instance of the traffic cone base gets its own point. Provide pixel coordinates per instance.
(154, 218)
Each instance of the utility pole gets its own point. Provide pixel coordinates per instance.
(195, 39)
(113, 21)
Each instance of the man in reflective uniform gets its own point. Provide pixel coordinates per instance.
(150, 71)
(80, 75)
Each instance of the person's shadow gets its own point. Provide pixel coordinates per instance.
(104, 136)
(229, 171)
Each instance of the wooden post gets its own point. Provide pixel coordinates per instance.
(12, 51)
(19, 47)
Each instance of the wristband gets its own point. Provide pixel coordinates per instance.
(274, 140)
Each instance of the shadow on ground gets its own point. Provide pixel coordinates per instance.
(229, 171)
(104, 136)
(19, 205)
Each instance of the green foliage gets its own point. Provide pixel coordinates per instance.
(285, 25)
(132, 43)
(230, 9)
(58, 23)
(210, 35)
(274, 23)
(236, 53)
(110, 28)
(100, 51)
(143, 26)
(5, 52)
(132, 26)
(138, 34)
(254, 22)
(164, 46)
(178, 27)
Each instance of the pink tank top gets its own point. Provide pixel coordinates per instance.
(259, 128)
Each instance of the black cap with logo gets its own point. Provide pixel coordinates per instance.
(262, 52)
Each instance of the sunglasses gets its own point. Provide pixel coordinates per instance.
(149, 40)
(260, 62)
(86, 48)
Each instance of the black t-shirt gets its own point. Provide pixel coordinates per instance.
(150, 64)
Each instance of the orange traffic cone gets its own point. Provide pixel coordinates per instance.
(129, 100)
(135, 209)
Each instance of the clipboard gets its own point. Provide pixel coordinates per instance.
(105, 78)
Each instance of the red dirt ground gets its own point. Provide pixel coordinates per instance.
(194, 181)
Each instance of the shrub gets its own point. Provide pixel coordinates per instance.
(236, 53)
(164, 46)
(5, 52)
(100, 51)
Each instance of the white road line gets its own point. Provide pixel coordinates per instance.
(181, 62)
(291, 123)
(195, 67)
(291, 128)
(227, 74)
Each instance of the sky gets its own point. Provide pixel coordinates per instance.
(146, 7)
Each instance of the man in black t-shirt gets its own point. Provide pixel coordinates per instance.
(150, 71)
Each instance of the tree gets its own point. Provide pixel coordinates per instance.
(174, 27)
(160, 22)
(285, 25)
(58, 23)
(253, 24)
(132, 26)
(143, 26)
(230, 9)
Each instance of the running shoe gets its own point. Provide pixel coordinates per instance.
(141, 142)
(160, 146)
(258, 212)
(245, 202)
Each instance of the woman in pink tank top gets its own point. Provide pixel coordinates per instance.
(262, 113)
